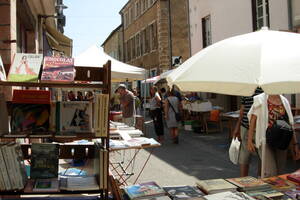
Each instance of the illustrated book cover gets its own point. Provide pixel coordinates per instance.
(228, 196)
(2, 71)
(25, 67)
(183, 192)
(212, 186)
(294, 193)
(279, 184)
(249, 183)
(144, 190)
(58, 69)
(295, 176)
(76, 116)
(44, 160)
(46, 185)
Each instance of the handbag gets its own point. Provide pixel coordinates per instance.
(279, 135)
(177, 114)
(234, 150)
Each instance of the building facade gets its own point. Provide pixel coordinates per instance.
(154, 33)
(113, 45)
(213, 20)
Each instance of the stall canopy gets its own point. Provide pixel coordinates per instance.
(59, 41)
(96, 57)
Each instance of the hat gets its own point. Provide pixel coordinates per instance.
(123, 86)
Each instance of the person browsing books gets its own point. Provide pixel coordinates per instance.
(127, 105)
(241, 131)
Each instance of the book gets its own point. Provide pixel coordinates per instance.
(279, 184)
(248, 183)
(293, 193)
(212, 186)
(46, 185)
(101, 115)
(228, 195)
(44, 160)
(80, 183)
(31, 96)
(58, 69)
(183, 192)
(3, 169)
(25, 67)
(295, 176)
(76, 116)
(268, 193)
(144, 190)
(2, 71)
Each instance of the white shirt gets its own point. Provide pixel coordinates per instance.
(260, 109)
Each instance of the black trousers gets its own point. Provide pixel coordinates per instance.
(156, 115)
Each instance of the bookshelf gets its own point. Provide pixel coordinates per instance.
(85, 78)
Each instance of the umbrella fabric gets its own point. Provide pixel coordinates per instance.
(95, 57)
(237, 65)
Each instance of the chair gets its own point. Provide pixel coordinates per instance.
(213, 122)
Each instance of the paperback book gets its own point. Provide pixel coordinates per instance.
(212, 186)
(183, 192)
(295, 176)
(58, 69)
(228, 196)
(144, 190)
(279, 184)
(249, 183)
(44, 160)
(25, 67)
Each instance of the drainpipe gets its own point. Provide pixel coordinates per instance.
(170, 34)
(290, 14)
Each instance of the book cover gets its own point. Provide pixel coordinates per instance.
(211, 186)
(80, 183)
(2, 71)
(58, 69)
(248, 183)
(25, 67)
(31, 96)
(294, 193)
(76, 116)
(30, 117)
(19, 165)
(279, 184)
(46, 185)
(182, 192)
(44, 160)
(143, 190)
(268, 193)
(3, 169)
(295, 176)
(101, 115)
(228, 196)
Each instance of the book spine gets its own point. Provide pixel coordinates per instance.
(105, 169)
(21, 164)
(3, 168)
(101, 122)
(97, 115)
(105, 114)
(2, 184)
(10, 166)
(17, 163)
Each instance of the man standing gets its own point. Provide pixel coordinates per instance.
(127, 105)
(241, 131)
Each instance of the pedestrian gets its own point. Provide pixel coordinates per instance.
(127, 105)
(172, 107)
(266, 109)
(115, 101)
(156, 113)
(241, 132)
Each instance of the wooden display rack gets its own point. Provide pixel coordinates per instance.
(86, 77)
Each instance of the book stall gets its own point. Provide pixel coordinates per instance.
(54, 146)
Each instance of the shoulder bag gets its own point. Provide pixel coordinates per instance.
(177, 114)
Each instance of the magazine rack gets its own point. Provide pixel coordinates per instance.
(86, 77)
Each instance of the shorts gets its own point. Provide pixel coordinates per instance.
(244, 154)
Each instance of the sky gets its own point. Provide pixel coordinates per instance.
(90, 22)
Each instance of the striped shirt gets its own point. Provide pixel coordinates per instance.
(247, 102)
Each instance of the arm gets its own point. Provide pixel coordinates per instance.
(252, 126)
(236, 132)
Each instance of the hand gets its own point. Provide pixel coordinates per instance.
(237, 134)
(250, 146)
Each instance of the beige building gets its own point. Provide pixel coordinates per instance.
(155, 33)
(113, 45)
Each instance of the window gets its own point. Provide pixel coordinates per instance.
(260, 14)
(144, 5)
(143, 41)
(147, 40)
(153, 36)
(126, 20)
(138, 45)
(131, 15)
(153, 72)
(206, 31)
(128, 50)
(137, 9)
(133, 48)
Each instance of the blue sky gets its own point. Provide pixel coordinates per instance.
(91, 21)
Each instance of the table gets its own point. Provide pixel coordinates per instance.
(232, 118)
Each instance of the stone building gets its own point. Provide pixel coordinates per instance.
(155, 32)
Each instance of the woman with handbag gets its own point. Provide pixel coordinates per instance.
(171, 110)
(265, 113)
(156, 113)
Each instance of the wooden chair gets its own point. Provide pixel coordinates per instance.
(214, 120)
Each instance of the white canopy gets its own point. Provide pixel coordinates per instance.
(96, 57)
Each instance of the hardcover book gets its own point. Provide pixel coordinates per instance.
(25, 67)
(44, 160)
(295, 176)
(58, 69)
(76, 116)
(144, 190)
(279, 184)
(212, 186)
(249, 183)
(183, 192)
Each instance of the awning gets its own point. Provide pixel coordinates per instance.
(59, 41)
(151, 80)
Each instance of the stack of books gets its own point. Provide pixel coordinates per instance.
(183, 192)
(148, 190)
(213, 186)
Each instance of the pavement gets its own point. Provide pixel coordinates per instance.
(198, 156)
